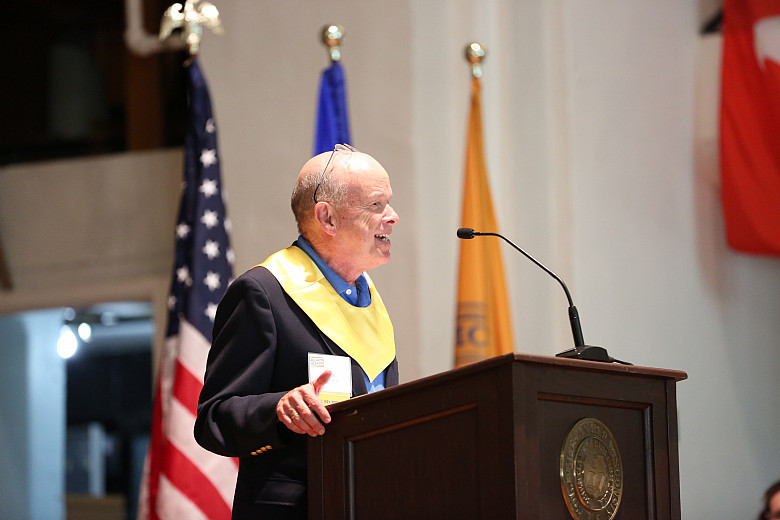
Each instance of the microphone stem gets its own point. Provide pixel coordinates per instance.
(574, 317)
(576, 329)
(534, 260)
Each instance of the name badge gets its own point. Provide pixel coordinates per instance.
(339, 388)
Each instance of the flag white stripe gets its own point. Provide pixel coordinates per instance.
(221, 471)
(172, 504)
(193, 349)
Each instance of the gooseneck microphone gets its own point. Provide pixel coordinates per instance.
(580, 350)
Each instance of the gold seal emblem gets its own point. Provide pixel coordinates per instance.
(591, 471)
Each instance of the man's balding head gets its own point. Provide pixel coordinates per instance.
(350, 222)
(344, 168)
(331, 187)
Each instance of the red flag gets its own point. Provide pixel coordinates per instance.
(181, 479)
(750, 125)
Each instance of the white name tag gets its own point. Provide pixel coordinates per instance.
(339, 388)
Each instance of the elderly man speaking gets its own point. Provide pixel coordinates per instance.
(257, 402)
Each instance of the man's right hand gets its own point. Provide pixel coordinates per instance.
(301, 410)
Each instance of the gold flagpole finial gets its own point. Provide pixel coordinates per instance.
(475, 53)
(331, 37)
(190, 19)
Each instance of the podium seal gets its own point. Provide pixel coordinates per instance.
(591, 471)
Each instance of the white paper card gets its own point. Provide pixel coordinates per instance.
(339, 388)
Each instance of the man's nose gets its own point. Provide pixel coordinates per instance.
(391, 217)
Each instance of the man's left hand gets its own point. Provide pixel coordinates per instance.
(301, 410)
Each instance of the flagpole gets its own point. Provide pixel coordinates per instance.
(331, 37)
(190, 19)
(332, 118)
(475, 53)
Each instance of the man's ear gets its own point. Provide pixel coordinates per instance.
(325, 217)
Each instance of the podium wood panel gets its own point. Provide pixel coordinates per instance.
(484, 441)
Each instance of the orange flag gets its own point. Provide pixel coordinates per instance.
(483, 326)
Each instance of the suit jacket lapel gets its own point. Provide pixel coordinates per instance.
(391, 378)
(358, 380)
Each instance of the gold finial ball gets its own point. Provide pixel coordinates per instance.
(475, 53)
(332, 35)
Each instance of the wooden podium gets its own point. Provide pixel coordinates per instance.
(501, 439)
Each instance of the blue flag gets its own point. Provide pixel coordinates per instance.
(204, 258)
(332, 116)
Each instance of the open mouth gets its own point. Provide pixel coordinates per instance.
(383, 238)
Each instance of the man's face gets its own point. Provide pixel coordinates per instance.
(365, 223)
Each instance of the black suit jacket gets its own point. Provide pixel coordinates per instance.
(260, 352)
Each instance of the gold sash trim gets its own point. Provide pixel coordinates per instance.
(365, 333)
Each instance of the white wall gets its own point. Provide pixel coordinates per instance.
(655, 281)
(600, 124)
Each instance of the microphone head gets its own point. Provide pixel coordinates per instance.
(465, 232)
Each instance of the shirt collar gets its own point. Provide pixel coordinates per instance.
(359, 296)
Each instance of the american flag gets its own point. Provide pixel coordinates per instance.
(182, 480)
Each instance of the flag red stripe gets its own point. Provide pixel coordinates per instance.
(156, 447)
(190, 481)
(186, 388)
